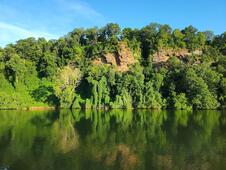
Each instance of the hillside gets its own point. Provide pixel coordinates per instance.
(153, 67)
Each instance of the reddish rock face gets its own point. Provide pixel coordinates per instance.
(164, 54)
(121, 59)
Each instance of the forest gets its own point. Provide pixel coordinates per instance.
(155, 67)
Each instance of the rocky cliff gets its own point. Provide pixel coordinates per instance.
(163, 55)
(121, 59)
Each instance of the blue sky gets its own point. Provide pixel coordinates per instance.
(54, 18)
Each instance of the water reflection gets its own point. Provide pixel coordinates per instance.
(68, 140)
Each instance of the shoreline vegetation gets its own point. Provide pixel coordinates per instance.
(155, 67)
(49, 108)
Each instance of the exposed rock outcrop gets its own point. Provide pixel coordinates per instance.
(121, 59)
(124, 57)
(164, 54)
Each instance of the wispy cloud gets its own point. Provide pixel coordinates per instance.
(11, 33)
(82, 9)
(56, 17)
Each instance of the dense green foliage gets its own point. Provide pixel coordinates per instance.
(60, 73)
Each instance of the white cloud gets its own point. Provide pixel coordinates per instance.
(10, 33)
(57, 17)
(85, 10)
(81, 8)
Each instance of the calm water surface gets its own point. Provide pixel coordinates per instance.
(119, 140)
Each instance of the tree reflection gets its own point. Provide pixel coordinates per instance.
(63, 134)
(115, 139)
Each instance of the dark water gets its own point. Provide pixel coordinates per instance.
(119, 140)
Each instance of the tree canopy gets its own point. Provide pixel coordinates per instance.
(171, 68)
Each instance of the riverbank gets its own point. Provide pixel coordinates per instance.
(31, 108)
(43, 108)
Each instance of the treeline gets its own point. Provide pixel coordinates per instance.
(61, 73)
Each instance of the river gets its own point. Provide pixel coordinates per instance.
(112, 140)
